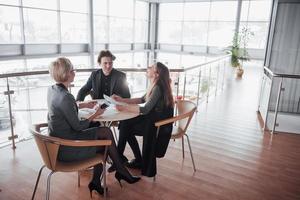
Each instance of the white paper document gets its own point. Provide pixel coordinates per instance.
(112, 101)
(86, 112)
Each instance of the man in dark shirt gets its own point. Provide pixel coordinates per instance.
(106, 80)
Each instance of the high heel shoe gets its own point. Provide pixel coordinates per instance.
(98, 188)
(131, 179)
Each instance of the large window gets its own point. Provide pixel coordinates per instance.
(120, 21)
(211, 24)
(11, 2)
(141, 22)
(170, 32)
(220, 33)
(223, 11)
(100, 7)
(48, 4)
(255, 16)
(75, 6)
(122, 25)
(120, 30)
(197, 23)
(45, 28)
(36, 30)
(195, 33)
(10, 31)
(170, 25)
(101, 27)
(121, 8)
(74, 28)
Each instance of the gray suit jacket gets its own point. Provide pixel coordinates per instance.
(63, 122)
(118, 85)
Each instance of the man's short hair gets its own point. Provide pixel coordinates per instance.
(60, 68)
(105, 53)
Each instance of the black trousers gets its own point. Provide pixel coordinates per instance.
(140, 126)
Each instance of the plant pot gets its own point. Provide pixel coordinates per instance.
(239, 72)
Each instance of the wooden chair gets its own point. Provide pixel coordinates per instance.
(48, 147)
(186, 110)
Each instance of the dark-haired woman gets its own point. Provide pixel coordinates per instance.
(158, 105)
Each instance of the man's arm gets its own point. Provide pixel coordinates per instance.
(85, 90)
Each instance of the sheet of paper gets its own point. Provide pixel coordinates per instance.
(111, 110)
(112, 101)
(85, 112)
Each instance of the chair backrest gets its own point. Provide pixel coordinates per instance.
(47, 146)
(187, 109)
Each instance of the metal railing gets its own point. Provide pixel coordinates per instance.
(188, 79)
(270, 82)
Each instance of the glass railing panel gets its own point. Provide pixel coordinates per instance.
(279, 102)
(192, 82)
(288, 112)
(264, 96)
(5, 130)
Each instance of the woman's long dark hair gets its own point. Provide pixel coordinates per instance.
(164, 82)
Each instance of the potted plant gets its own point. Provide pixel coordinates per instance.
(238, 50)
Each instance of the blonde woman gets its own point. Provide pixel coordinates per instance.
(63, 122)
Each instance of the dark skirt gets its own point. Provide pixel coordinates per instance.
(69, 154)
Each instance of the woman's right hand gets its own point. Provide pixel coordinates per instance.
(99, 111)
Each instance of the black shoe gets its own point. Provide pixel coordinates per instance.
(98, 188)
(130, 179)
(111, 169)
(134, 164)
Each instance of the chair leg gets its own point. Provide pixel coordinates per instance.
(48, 185)
(182, 144)
(104, 179)
(191, 151)
(37, 181)
(78, 178)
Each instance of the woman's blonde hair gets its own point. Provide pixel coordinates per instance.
(60, 68)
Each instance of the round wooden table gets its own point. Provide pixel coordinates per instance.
(110, 114)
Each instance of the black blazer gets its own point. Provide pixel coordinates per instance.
(118, 85)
